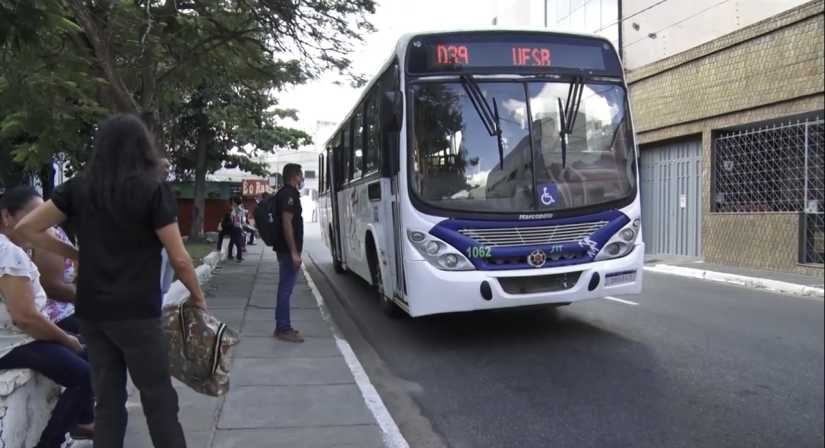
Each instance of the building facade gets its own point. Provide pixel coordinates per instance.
(644, 31)
(731, 140)
(728, 105)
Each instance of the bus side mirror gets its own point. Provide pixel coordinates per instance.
(392, 111)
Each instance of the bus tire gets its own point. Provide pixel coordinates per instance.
(387, 305)
(338, 266)
(336, 263)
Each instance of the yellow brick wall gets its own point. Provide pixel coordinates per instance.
(770, 70)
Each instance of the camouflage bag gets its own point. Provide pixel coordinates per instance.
(200, 348)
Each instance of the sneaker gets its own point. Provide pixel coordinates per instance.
(240, 259)
(288, 335)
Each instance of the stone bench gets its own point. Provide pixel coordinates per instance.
(27, 398)
(26, 401)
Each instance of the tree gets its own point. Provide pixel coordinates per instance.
(223, 124)
(48, 99)
(163, 58)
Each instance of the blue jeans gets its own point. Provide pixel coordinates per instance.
(286, 283)
(66, 368)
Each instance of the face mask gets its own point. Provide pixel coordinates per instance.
(301, 185)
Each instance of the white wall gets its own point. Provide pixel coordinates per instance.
(307, 158)
(675, 25)
(519, 13)
(681, 25)
(579, 16)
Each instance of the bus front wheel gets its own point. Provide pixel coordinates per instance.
(336, 263)
(387, 306)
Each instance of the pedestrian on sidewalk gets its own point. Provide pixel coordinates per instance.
(288, 244)
(236, 238)
(251, 231)
(124, 214)
(31, 336)
(225, 226)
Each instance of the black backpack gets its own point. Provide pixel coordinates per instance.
(266, 220)
(226, 223)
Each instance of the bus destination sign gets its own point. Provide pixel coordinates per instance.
(522, 56)
(519, 52)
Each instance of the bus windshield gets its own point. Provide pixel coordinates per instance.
(457, 165)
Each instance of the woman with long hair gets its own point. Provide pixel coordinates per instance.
(124, 215)
(33, 334)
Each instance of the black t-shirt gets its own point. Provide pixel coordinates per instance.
(288, 199)
(120, 257)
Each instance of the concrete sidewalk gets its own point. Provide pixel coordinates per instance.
(788, 283)
(282, 394)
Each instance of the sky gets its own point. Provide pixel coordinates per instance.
(323, 100)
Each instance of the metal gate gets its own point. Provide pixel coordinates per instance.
(775, 167)
(671, 188)
(812, 239)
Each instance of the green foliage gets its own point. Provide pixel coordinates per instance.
(204, 73)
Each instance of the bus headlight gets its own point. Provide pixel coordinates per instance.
(438, 253)
(622, 243)
(628, 234)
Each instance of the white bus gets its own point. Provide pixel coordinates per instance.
(487, 169)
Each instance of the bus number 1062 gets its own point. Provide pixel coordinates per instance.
(479, 252)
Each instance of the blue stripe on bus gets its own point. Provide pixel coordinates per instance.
(447, 231)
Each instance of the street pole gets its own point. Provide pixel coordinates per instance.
(545, 13)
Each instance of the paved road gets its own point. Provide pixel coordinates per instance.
(695, 364)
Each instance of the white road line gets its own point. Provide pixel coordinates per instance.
(392, 435)
(626, 302)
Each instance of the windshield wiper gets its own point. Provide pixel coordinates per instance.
(489, 116)
(568, 114)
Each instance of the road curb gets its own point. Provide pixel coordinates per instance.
(740, 280)
(389, 428)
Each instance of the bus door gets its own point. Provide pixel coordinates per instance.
(336, 164)
(391, 106)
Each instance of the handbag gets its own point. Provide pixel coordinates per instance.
(200, 348)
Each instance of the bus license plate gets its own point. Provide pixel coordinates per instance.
(617, 278)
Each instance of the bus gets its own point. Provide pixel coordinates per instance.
(487, 169)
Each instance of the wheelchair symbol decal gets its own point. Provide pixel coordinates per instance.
(548, 194)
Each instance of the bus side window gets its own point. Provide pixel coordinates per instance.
(346, 152)
(330, 168)
(358, 143)
(320, 173)
(372, 131)
(389, 146)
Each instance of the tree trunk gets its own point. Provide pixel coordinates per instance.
(199, 203)
(100, 39)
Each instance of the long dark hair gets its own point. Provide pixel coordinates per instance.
(124, 151)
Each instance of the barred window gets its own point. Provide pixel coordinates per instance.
(763, 169)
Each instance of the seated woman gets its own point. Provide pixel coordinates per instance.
(57, 276)
(30, 337)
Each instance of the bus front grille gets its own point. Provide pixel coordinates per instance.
(528, 236)
(539, 283)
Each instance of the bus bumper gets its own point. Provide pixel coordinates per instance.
(433, 291)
